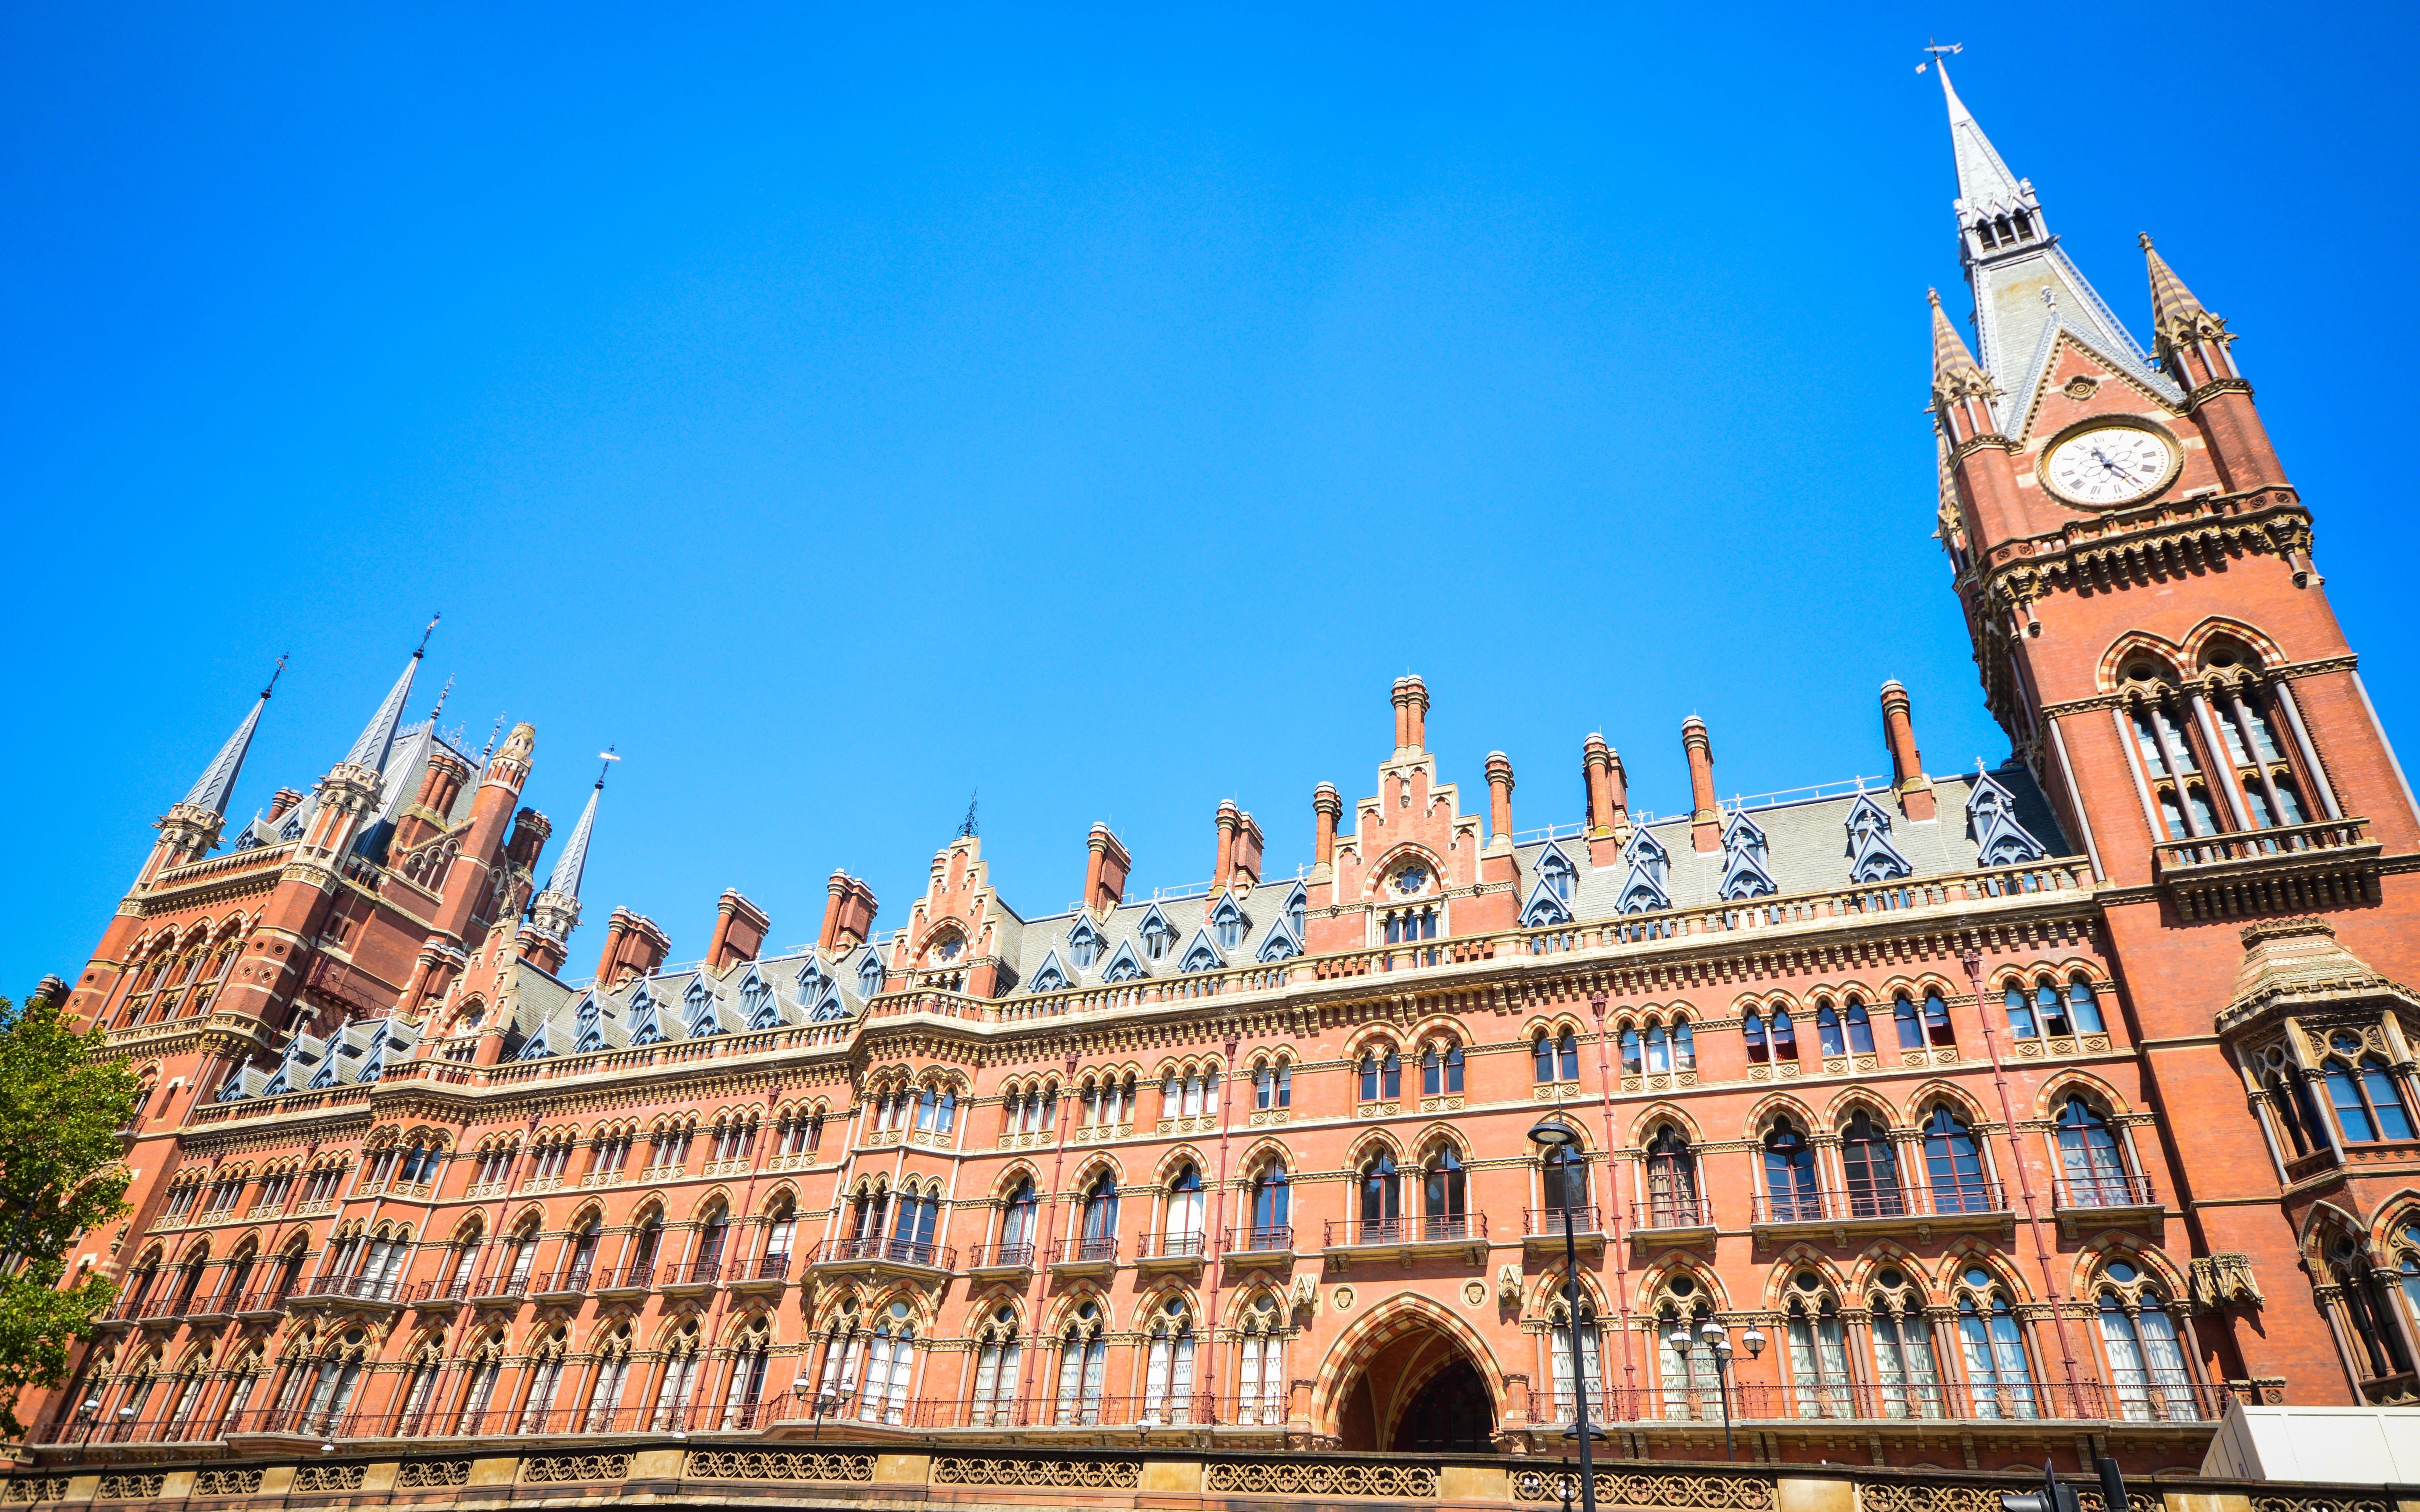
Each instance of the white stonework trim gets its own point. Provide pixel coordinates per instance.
(2076, 800)
(2142, 789)
(2310, 752)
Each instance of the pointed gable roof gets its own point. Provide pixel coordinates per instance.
(1545, 906)
(210, 790)
(1202, 954)
(376, 739)
(1647, 885)
(1050, 976)
(1746, 854)
(1872, 858)
(573, 862)
(1991, 820)
(1126, 965)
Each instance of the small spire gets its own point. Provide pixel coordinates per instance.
(376, 739)
(2178, 319)
(441, 701)
(218, 779)
(1956, 375)
(569, 866)
(1984, 182)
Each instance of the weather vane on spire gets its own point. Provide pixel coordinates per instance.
(967, 825)
(274, 673)
(1939, 50)
(426, 634)
(607, 757)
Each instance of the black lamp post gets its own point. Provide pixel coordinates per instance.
(1558, 1139)
(1719, 1344)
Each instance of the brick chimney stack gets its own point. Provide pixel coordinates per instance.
(281, 803)
(1330, 806)
(1411, 697)
(634, 947)
(849, 913)
(1499, 798)
(739, 931)
(1914, 790)
(1230, 819)
(1244, 863)
(1706, 815)
(1106, 865)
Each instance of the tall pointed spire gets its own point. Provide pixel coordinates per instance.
(2178, 319)
(218, 779)
(1956, 375)
(377, 739)
(1985, 185)
(574, 860)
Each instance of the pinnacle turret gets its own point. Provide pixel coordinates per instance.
(1956, 375)
(574, 860)
(2178, 319)
(376, 739)
(218, 779)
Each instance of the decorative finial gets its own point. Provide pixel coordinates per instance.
(2143, 239)
(441, 701)
(608, 756)
(492, 734)
(426, 634)
(967, 825)
(1939, 50)
(274, 673)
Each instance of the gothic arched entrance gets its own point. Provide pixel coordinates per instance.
(1412, 1382)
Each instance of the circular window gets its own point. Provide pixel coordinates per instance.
(2121, 1271)
(1808, 1280)
(1682, 1285)
(1977, 1276)
(1411, 879)
(1891, 1278)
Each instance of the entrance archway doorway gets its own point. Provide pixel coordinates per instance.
(1419, 1389)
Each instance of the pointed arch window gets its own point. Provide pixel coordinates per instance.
(912, 1225)
(2083, 1007)
(1183, 1235)
(1100, 1219)
(1441, 1071)
(1382, 1200)
(1566, 1057)
(997, 1362)
(1871, 1168)
(1759, 1050)
(1659, 1048)
(1936, 1020)
(1905, 1367)
(1272, 1208)
(1445, 1195)
(1633, 1061)
(2146, 1360)
(1860, 1027)
(2093, 1167)
(1909, 1026)
(870, 975)
(1542, 1055)
(1558, 874)
(1954, 1164)
(1672, 1181)
(1592, 1360)
(1999, 1376)
(1260, 1375)
(1785, 1038)
(1084, 1360)
(1819, 1348)
(1691, 1385)
(1382, 1073)
(1827, 1030)
(1168, 1367)
(2368, 1101)
(1791, 1192)
(890, 1366)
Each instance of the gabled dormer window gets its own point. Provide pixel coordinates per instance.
(1085, 945)
(702, 1018)
(588, 1031)
(1280, 945)
(645, 1029)
(1202, 955)
(1227, 922)
(1871, 855)
(1744, 860)
(1052, 977)
(1556, 875)
(758, 1003)
(1991, 820)
(1158, 935)
(1296, 910)
(1546, 906)
(813, 979)
(830, 1008)
(1124, 965)
(1646, 883)
(870, 975)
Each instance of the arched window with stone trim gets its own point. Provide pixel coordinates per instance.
(1381, 1199)
(1560, 1329)
(1441, 1069)
(1272, 1206)
(1083, 1363)
(1992, 1343)
(743, 1392)
(843, 1357)
(999, 1354)
(485, 1362)
(2146, 1358)
(612, 1381)
(2092, 1163)
(1098, 1213)
(1760, 1049)
(1818, 1346)
(677, 1390)
(2406, 1254)
(1859, 1026)
(1953, 1164)
(1167, 1365)
(1909, 1023)
(1870, 1166)
(1018, 1222)
(1673, 1181)
(2364, 1092)
(1828, 1035)
(548, 1361)
(781, 1236)
(1792, 1192)
(1445, 1194)
(2353, 1288)
(1907, 1369)
(1181, 1232)
(1259, 1368)
(1381, 1074)
(1690, 1388)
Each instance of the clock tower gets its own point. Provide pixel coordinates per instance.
(2155, 637)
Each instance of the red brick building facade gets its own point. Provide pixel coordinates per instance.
(1983, 1117)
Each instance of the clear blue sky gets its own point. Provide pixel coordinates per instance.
(840, 409)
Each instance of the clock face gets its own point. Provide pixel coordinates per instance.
(2108, 465)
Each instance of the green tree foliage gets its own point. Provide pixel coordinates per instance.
(62, 1172)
